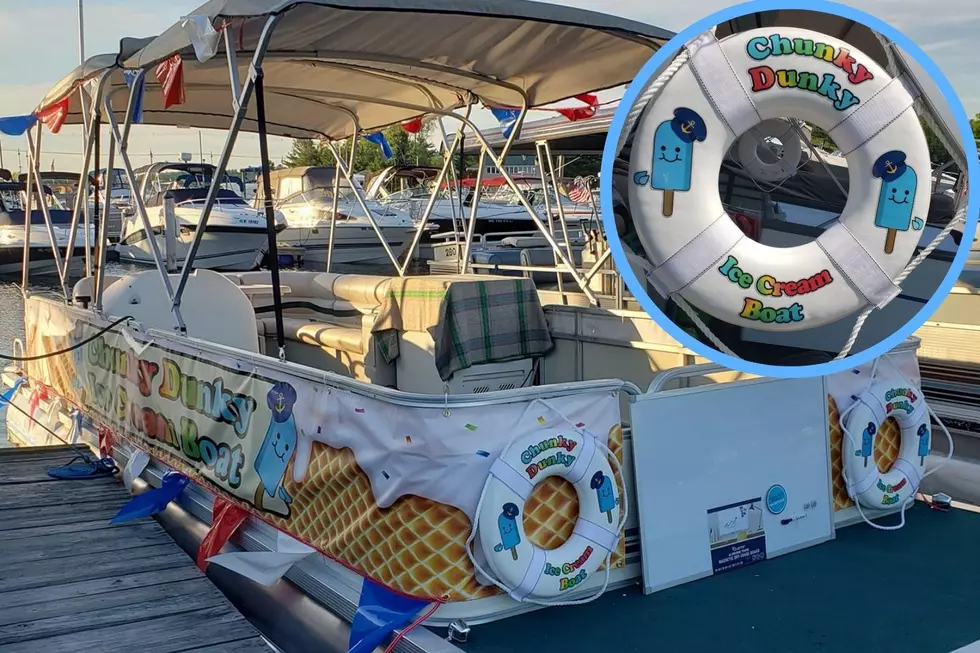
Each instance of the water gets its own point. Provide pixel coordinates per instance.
(12, 301)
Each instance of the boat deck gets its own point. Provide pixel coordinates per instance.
(71, 582)
(908, 591)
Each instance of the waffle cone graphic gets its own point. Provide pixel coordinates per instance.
(887, 443)
(417, 546)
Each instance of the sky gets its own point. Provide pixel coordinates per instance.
(40, 45)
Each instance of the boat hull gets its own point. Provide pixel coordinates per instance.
(41, 260)
(225, 250)
(351, 244)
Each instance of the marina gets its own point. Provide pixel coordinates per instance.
(419, 410)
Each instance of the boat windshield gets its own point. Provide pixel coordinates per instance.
(16, 200)
(321, 195)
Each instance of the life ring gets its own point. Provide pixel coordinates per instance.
(790, 151)
(525, 569)
(722, 91)
(884, 399)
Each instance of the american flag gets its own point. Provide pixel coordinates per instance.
(580, 191)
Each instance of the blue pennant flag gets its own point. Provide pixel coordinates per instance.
(130, 77)
(17, 125)
(8, 394)
(378, 138)
(380, 613)
(507, 119)
(152, 501)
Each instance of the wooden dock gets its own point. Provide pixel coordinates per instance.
(70, 582)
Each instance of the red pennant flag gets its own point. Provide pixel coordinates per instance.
(54, 115)
(170, 76)
(226, 517)
(105, 442)
(40, 393)
(413, 126)
(581, 113)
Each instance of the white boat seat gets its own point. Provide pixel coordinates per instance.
(332, 336)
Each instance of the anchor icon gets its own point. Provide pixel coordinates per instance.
(687, 127)
(890, 167)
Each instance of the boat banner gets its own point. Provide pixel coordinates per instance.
(385, 486)
(842, 388)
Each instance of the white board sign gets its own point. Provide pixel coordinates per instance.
(730, 474)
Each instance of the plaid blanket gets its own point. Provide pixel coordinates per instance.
(471, 322)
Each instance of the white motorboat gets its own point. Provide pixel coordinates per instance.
(304, 196)
(235, 238)
(13, 198)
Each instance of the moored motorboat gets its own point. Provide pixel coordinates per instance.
(42, 258)
(234, 239)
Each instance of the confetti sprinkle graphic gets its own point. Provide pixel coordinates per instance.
(470, 427)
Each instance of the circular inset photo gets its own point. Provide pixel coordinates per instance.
(795, 188)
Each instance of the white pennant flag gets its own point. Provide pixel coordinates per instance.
(137, 463)
(202, 35)
(265, 567)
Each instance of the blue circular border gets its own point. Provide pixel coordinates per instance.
(769, 500)
(609, 155)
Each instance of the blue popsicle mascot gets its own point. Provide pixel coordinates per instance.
(673, 154)
(923, 434)
(279, 444)
(898, 183)
(510, 537)
(867, 442)
(603, 486)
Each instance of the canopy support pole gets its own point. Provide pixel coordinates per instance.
(333, 212)
(28, 206)
(104, 218)
(219, 172)
(551, 222)
(80, 206)
(471, 225)
(447, 162)
(497, 161)
(347, 169)
(122, 138)
(270, 213)
(38, 187)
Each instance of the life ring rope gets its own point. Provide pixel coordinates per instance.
(588, 530)
(906, 470)
(656, 87)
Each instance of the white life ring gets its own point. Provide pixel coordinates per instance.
(884, 399)
(787, 160)
(525, 569)
(725, 89)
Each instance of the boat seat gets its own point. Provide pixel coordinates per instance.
(319, 296)
(324, 334)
